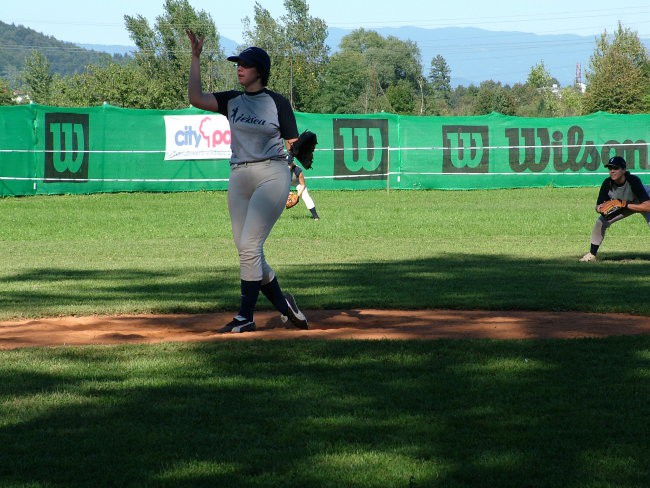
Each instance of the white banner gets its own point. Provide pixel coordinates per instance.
(197, 137)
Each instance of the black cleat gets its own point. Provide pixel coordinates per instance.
(238, 324)
(294, 314)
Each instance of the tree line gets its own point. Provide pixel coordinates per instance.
(369, 73)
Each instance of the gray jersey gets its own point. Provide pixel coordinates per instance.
(259, 123)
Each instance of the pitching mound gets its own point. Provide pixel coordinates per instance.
(324, 324)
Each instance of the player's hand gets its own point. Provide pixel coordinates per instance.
(195, 42)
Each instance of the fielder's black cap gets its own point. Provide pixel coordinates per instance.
(254, 56)
(616, 162)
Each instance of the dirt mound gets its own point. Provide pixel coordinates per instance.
(324, 324)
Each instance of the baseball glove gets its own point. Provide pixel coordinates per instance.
(303, 149)
(612, 207)
(292, 199)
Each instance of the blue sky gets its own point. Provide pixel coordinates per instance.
(102, 22)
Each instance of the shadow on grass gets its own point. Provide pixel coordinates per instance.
(456, 281)
(332, 414)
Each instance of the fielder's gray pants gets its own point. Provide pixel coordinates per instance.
(257, 195)
(602, 224)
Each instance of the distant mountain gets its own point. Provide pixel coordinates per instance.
(229, 47)
(65, 58)
(473, 55)
(110, 48)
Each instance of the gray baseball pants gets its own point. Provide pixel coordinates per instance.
(602, 224)
(257, 195)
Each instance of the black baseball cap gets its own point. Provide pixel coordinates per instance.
(254, 56)
(616, 162)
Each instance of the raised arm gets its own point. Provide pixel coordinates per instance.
(195, 94)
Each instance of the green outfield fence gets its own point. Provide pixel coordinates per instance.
(56, 150)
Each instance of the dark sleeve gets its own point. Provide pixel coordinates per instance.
(603, 194)
(637, 187)
(223, 98)
(286, 117)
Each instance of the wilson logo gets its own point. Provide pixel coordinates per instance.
(66, 147)
(570, 151)
(361, 148)
(464, 149)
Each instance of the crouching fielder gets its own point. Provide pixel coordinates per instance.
(623, 186)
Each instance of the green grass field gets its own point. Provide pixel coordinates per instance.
(510, 249)
(467, 413)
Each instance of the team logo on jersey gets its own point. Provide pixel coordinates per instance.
(361, 148)
(465, 149)
(66, 147)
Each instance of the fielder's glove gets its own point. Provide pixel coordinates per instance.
(610, 208)
(292, 199)
(303, 149)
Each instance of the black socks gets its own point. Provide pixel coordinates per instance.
(273, 292)
(250, 290)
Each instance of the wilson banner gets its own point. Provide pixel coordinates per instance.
(55, 150)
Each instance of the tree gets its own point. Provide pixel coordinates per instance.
(392, 58)
(385, 69)
(72, 91)
(618, 87)
(571, 99)
(618, 80)
(117, 84)
(439, 85)
(440, 77)
(307, 37)
(539, 96)
(6, 96)
(156, 76)
(463, 100)
(494, 97)
(38, 78)
(297, 49)
(539, 77)
(163, 54)
(346, 87)
(625, 42)
(400, 97)
(527, 100)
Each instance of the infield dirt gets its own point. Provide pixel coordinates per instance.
(324, 324)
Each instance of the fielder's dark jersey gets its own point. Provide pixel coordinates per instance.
(259, 123)
(632, 190)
